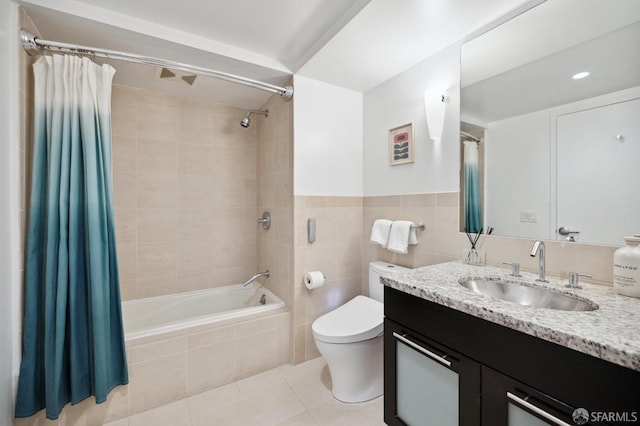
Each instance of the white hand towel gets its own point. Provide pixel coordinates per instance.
(402, 234)
(380, 232)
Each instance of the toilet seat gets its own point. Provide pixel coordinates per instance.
(359, 319)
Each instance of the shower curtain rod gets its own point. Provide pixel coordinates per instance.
(30, 43)
(470, 136)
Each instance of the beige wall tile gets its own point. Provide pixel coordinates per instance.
(156, 157)
(211, 366)
(194, 122)
(383, 201)
(194, 192)
(157, 285)
(195, 224)
(128, 289)
(124, 111)
(194, 256)
(211, 337)
(227, 191)
(126, 226)
(157, 116)
(447, 199)
(125, 193)
(158, 349)
(299, 343)
(419, 200)
(191, 281)
(311, 350)
(156, 225)
(157, 260)
(247, 328)
(227, 254)
(149, 389)
(128, 261)
(157, 191)
(257, 352)
(125, 154)
(195, 159)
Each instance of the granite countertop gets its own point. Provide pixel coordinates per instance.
(611, 332)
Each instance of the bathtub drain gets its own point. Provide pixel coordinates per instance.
(263, 300)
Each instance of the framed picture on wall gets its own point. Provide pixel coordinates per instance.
(401, 145)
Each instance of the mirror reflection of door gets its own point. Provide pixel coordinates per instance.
(598, 173)
(516, 80)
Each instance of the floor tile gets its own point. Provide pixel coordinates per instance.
(172, 414)
(290, 395)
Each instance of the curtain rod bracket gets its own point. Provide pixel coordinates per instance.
(287, 93)
(28, 40)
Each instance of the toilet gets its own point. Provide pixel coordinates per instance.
(350, 340)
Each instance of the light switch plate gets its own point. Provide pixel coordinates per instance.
(529, 217)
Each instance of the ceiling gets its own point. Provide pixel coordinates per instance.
(356, 44)
(516, 69)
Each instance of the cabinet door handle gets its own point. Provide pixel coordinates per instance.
(427, 352)
(537, 410)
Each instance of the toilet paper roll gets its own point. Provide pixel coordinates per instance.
(314, 279)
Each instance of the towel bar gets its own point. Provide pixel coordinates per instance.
(419, 226)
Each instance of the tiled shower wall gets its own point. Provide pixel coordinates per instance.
(184, 193)
(275, 195)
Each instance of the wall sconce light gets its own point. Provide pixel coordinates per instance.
(435, 102)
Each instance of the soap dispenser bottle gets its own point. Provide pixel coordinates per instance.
(626, 267)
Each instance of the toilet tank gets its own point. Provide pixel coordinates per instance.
(376, 269)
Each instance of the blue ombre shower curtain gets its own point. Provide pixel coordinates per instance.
(472, 211)
(73, 340)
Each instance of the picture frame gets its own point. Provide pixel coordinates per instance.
(401, 145)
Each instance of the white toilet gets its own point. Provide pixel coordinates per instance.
(350, 340)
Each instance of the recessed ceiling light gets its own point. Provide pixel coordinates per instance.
(578, 76)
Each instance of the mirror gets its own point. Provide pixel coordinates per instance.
(559, 152)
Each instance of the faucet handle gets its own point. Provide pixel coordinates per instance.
(573, 279)
(515, 268)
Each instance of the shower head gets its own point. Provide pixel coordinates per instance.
(245, 122)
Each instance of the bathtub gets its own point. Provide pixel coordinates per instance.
(163, 314)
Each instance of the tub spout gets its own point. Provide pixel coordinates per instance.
(255, 277)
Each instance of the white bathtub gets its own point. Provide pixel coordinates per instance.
(163, 314)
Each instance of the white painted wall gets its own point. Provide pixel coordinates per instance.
(398, 101)
(517, 175)
(327, 126)
(8, 207)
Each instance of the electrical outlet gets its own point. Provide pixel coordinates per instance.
(529, 217)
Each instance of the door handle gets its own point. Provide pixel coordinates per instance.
(538, 411)
(563, 230)
(419, 348)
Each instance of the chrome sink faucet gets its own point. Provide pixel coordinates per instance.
(538, 247)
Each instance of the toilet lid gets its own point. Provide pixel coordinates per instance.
(357, 320)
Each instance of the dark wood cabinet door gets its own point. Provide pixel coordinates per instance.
(428, 384)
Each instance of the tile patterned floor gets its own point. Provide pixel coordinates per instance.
(289, 395)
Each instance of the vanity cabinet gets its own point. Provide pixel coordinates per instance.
(431, 382)
(500, 376)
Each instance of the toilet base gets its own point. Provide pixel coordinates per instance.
(356, 369)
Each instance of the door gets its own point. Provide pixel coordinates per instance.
(430, 384)
(598, 170)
